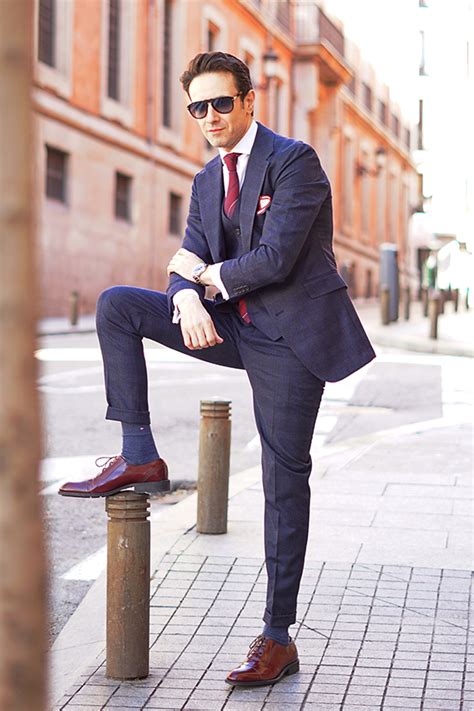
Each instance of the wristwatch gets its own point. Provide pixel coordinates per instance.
(197, 271)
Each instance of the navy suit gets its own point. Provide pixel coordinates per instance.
(287, 269)
(303, 331)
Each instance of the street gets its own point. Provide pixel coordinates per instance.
(396, 390)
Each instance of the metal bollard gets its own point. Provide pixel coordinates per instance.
(385, 305)
(456, 300)
(434, 314)
(74, 308)
(425, 300)
(442, 300)
(214, 461)
(406, 303)
(128, 586)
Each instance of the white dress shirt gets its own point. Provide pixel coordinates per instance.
(244, 147)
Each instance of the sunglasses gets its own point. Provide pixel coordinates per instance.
(221, 104)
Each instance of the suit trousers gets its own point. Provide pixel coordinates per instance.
(286, 399)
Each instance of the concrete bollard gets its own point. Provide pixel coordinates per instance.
(385, 305)
(434, 314)
(128, 586)
(406, 303)
(214, 462)
(74, 308)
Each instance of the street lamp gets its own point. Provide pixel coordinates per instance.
(270, 68)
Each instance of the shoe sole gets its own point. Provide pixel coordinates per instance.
(290, 669)
(152, 487)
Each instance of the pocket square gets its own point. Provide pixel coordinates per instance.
(264, 202)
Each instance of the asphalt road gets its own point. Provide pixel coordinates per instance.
(396, 389)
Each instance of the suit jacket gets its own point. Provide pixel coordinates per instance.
(287, 262)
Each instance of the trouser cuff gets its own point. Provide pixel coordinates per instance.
(279, 620)
(133, 417)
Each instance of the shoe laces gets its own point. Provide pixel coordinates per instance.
(257, 647)
(108, 461)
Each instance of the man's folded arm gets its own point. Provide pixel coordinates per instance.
(194, 241)
(301, 189)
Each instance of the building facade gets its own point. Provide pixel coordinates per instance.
(117, 150)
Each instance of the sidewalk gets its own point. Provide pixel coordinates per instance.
(383, 616)
(456, 330)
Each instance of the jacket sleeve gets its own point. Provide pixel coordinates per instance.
(301, 187)
(195, 241)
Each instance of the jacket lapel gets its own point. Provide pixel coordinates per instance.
(211, 189)
(252, 187)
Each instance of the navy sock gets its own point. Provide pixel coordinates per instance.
(278, 634)
(138, 445)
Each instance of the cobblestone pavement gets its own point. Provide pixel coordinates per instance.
(369, 637)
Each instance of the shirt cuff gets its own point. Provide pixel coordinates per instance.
(177, 298)
(215, 274)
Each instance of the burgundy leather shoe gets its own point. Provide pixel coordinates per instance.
(267, 662)
(118, 475)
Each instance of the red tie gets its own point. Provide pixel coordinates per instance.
(230, 201)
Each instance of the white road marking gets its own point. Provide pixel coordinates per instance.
(70, 355)
(89, 568)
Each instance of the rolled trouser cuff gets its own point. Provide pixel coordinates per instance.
(133, 417)
(279, 620)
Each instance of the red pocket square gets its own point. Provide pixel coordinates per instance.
(264, 202)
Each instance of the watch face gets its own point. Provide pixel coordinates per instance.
(198, 269)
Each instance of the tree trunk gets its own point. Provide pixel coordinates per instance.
(22, 570)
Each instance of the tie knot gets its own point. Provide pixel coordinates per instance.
(231, 161)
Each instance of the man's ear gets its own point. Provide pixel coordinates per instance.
(250, 100)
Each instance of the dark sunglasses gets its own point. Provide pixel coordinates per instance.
(221, 104)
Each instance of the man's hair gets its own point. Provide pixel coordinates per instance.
(207, 62)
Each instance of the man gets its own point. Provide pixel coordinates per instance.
(260, 230)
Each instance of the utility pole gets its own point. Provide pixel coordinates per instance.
(22, 566)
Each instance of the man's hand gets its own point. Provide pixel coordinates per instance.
(182, 263)
(197, 326)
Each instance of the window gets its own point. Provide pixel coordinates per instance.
(175, 209)
(167, 61)
(123, 190)
(56, 174)
(382, 112)
(347, 201)
(420, 125)
(113, 75)
(367, 96)
(46, 32)
(395, 125)
(212, 36)
(352, 85)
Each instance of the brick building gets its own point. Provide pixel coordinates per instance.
(117, 150)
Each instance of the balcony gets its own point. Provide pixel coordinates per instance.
(317, 36)
(314, 26)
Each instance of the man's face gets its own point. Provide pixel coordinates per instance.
(222, 130)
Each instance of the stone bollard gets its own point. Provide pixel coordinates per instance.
(433, 312)
(74, 308)
(406, 303)
(128, 586)
(385, 305)
(214, 461)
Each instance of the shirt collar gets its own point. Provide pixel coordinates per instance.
(245, 144)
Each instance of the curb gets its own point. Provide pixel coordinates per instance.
(419, 344)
